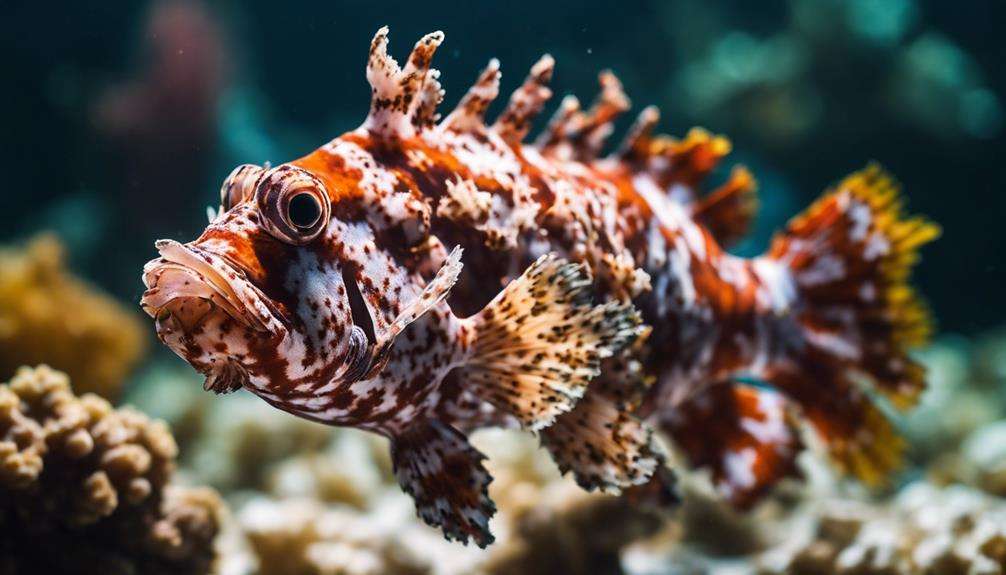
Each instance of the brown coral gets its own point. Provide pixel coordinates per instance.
(49, 316)
(84, 488)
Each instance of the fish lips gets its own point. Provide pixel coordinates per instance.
(188, 283)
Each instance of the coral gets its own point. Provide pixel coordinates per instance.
(297, 536)
(958, 431)
(567, 530)
(230, 442)
(49, 316)
(243, 439)
(326, 476)
(984, 454)
(925, 529)
(87, 488)
(339, 511)
(549, 524)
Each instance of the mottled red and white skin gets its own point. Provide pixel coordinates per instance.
(422, 277)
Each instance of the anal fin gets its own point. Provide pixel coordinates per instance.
(435, 464)
(859, 438)
(538, 344)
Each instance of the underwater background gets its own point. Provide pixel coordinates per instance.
(123, 118)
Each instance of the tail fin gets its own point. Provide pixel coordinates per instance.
(850, 256)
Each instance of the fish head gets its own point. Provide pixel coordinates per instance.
(260, 296)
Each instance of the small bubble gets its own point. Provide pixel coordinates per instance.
(590, 50)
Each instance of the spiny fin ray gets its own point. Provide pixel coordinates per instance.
(398, 94)
(469, 115)
(637, 139)
(581, 135)
(729, 210)
(526, 102)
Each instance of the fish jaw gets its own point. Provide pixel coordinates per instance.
(190, 281)
(208, 313)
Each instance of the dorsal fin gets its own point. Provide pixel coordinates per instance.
(686, 162)
(681, 166)
(396, 92)
(471, 110)
(729, 210)
(598, 123)
(526, 102)
(677, 166)
(637, 140)
(432, 95)
(581, 135)
(560, 123)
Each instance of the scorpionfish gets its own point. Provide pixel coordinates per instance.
(422, 277)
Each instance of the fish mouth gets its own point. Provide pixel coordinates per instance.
(188, 284)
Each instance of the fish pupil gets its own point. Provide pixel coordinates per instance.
(304, 210)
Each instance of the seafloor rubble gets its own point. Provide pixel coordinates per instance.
(924, 529)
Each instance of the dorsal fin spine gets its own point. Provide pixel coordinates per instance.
(399, 95)
(639, 135)
(526, 102)
(559, 124)
(470, 112)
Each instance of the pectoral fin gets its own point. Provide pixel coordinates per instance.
(540, 341)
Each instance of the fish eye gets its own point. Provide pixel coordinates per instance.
(304, 210)
(293, 203)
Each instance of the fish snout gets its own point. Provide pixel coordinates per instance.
(188, 283)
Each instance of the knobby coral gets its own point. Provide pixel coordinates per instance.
(85, 488)
(49, 316)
